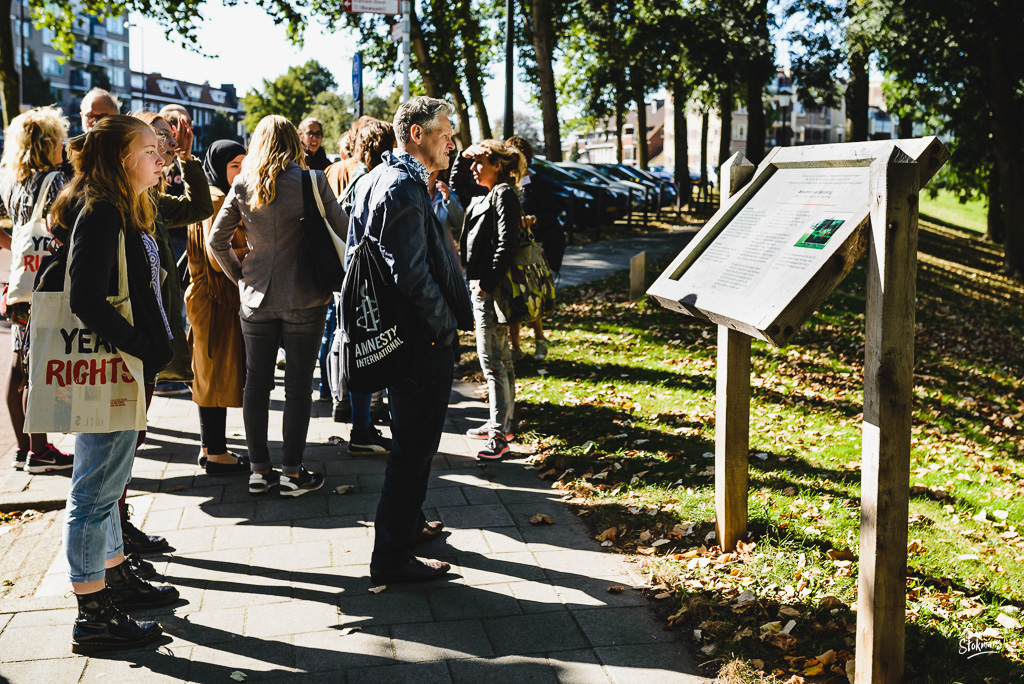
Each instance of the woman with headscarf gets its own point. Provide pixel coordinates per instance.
(211, 302)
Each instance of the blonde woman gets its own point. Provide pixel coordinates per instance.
(32, 177)
(281, 304)
(490, 237)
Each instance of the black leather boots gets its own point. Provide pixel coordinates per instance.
(101, 626)
(127, 591)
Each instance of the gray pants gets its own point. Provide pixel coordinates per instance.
(495, 352)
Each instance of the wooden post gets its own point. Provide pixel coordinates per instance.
(888, 392)
(638, 276)
(732, 404)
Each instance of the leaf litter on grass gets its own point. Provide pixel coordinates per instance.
(623, 418)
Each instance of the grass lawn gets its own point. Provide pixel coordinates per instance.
(621, 418)
(947, 208)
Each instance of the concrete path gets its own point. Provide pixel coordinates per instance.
(279, 589)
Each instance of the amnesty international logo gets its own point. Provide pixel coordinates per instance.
(369, 315)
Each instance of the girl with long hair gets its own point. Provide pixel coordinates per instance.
(31, 162)
(490, 237)
(211, 302)
(115, 164)
(281, 304)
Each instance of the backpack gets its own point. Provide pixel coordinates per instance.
(381, 348)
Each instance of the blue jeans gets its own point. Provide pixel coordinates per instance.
(495, 352)
(92, 522)
(326, 342)
(417, 420)
(360, 410)
(298, 332)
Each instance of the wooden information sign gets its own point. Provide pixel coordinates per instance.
(787, 233)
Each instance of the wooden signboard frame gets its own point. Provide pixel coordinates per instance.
(884, 228)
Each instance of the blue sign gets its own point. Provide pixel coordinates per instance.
(357, 75)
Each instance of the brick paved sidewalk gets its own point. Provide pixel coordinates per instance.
(274, 588)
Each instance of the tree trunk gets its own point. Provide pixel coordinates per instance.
(755, 118)
(725, 109)
(641, 118)
(544, 41)
(471, 58)
(620, 109)
(704, 120)
(8, 70)
(423, 62)
(857, 96)
(996, 228)
(463, 134)
(905, 127)
(680, 100)
(1007, 141)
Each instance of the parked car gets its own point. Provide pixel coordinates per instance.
(637, 192)
(597, 205)
(658, 187)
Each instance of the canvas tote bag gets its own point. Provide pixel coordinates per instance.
(28, 247)
(77, 382)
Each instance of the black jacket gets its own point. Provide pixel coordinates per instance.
(490, 235)
(392, 203)
(318, 161)
(95, 263)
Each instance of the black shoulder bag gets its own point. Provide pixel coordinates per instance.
(328, 271)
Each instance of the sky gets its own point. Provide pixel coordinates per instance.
(249, 47)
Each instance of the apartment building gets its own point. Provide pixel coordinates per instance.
(100, 59)
(153, 92)
(598, 146)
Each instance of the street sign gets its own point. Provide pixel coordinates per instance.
(357, 84)
(370, 6)
(396, 32)
(357, 75)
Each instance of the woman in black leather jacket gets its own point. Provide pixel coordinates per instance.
(116, 162)
(490, 237)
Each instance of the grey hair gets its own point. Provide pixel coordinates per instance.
(98, 93)
(419, 111)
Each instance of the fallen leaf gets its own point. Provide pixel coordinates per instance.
(789, 612)
(991, 633)
(827, 658)
(757, 663)
(660, 542)
(551, 474)
(841, 554)
(646, 536)
(709, 649)
(611, 534)
(967, 556)
(239, 676)
(783, 642)
(344, 489)
(814, 670)
(646, 550)
(1000, 515)
(789, 491)
(771, 627)
(618, 589)
(915, 546)
(541, 519)
(982, 516)
(377, 589)
(663, 595)
(1008, 622)
(349, 630)
(831, 603)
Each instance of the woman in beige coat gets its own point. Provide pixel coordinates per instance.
(211, 302)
